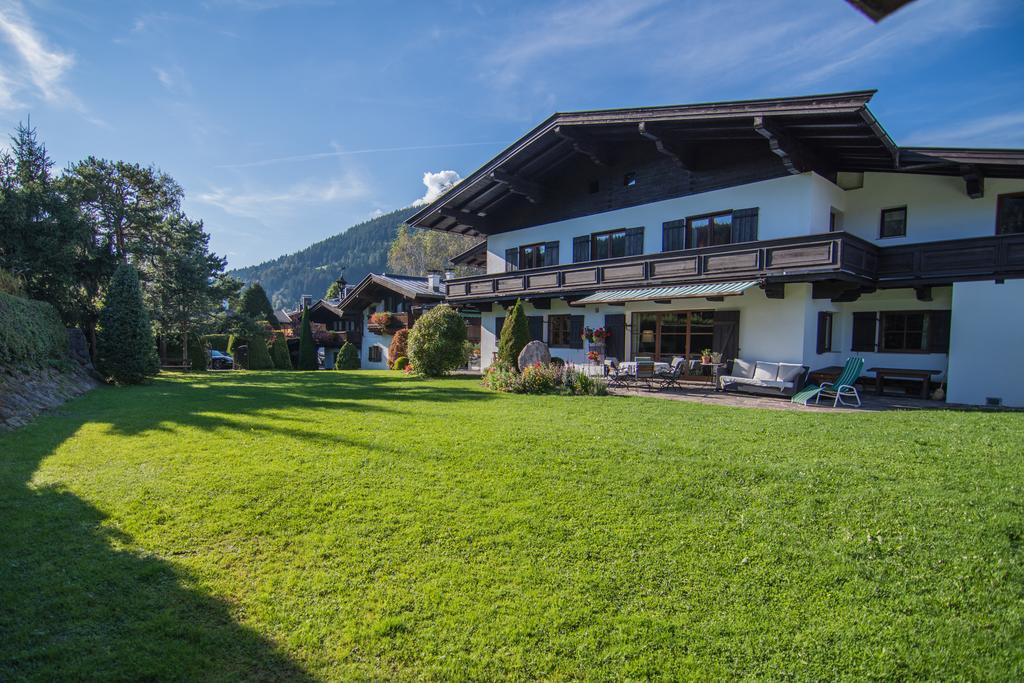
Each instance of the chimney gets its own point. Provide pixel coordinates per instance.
(307, 300)
(434, 280)
(449, 274)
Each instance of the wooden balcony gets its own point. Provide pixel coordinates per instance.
(810, 258)
(397, 322)
(820, 256)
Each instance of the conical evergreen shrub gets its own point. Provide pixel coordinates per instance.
(514, 336)
(307, 352)
(125, 351)
(348, 357)
(259, 357)
(279, 351)
(196, 353)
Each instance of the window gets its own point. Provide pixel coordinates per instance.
(608, 244)
(835, 220)
(673, 235)
(1010, 214)
(374, 354)
(531, 256)
(825, 319)
(903, 332)
(710, 230)
(676, 333)
(558, 330)
(629, 180)
(893, 223)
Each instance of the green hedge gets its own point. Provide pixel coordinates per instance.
(31, 332)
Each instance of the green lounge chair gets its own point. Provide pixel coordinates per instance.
(843, 388)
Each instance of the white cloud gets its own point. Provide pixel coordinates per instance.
(258, 203)
(999, 130)
(437, 184)
(44, 66)
(174, 80)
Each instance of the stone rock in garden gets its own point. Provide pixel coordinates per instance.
(533, 353)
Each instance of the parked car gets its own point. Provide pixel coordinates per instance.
(221, 361)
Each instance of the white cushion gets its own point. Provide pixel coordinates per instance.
(753, 382)
(788, 372)
(742, 368)
(763, 370)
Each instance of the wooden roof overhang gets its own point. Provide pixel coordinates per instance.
(823, 133)
(476, 255)
(373, 287)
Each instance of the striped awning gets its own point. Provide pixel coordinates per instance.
(613, 296)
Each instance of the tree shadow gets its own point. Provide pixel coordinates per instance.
(79, 602)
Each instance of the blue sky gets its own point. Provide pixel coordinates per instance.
(288, 121)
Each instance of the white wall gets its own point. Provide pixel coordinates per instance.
(788, 206)
(987, 343)
(372, 339)
(938, 207)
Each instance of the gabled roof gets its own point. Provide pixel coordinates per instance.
(282, 316)
(826, 133)
(374, 285)
(476, 255)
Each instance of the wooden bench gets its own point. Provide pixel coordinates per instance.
(923, 376)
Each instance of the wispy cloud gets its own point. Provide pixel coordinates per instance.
(999, 130)
(173, 78)
(252, 203)
(437, 184)
(44, 66)
(352, 152)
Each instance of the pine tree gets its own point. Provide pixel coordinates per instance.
(514, 336)
(279, 351)
(307, 352)
(125, 349)
(259, 357)
(256, 305)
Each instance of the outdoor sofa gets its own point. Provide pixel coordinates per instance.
(763, 377)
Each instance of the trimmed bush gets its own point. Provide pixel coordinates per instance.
(279, 351)
(31, 332)
(196, 354)
(125, 350)
(217, 342)
(259, 357)
(307, 352)
(400, 363)
(234, 344)
(514, 336)
(435, 342)
(399, 347)
(348, 357)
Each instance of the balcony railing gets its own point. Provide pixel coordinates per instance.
(793, 256)
(833, 255)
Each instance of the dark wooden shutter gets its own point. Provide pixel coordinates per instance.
(499, 323)
(938, 332)
(615, 346)
(673, 235)
(824, 344)
(581, 248)
(634, 241)
(726, 337)
(575, 332)
(744, 225)
(512, 259)
(535, 324)
(865, 331)
(551, 253)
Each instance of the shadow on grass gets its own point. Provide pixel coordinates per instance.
(78, 603)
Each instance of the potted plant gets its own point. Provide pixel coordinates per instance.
(601, 334)
(716, 357)
(594, 357)
(587, 335)
(705, 357)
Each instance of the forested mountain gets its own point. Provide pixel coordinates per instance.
(361, 249)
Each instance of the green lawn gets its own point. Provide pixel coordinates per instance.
(335, 526)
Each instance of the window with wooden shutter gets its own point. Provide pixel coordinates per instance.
(581, 249)
(551, 253)
(511, 259)
(744, 225)
(865, 331)
(673, 235)
(824, 344)
(576, 332)
(634, 241)
(558, 331)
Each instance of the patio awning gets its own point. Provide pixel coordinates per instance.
(677, 292)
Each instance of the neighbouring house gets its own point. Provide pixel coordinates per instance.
(385, 303)
(789, 229)
(331, 328)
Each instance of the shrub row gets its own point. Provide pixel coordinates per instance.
(31, 332)
(544, 379)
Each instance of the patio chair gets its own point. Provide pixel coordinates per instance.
(678, 368)
(843, 388)
(644, 371)
(617, 377)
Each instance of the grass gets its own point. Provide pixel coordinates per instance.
(337, 526)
